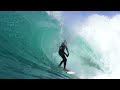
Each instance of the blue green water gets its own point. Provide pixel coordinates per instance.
(29, 43)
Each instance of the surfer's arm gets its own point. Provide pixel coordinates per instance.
(67, 50)
(65, 53)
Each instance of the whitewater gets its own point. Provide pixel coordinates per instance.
(102, 32)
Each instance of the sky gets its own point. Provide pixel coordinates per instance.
(70, 17)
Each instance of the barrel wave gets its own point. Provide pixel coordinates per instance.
(27, 43)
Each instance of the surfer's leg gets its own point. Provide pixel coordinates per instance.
(61, 54)
(65, 60)
(61, 63)
(62, 60)
(64, 64)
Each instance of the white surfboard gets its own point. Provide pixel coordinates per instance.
(70, 72)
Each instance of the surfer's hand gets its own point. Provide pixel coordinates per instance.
(67, 55)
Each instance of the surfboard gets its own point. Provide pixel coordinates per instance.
(69, 71)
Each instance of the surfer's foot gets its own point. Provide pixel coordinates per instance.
(65, 69)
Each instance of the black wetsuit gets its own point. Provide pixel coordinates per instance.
(62, 54)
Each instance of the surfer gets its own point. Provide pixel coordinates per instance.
(62, 53)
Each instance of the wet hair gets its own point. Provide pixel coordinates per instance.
(65, 42)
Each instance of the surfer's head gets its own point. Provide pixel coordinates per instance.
(65, 42)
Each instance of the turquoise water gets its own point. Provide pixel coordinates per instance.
(29, 43)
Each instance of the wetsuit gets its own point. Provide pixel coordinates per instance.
(62, 54)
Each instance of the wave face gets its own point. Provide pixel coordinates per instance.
(28, 41)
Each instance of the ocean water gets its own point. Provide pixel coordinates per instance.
(29, 42)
